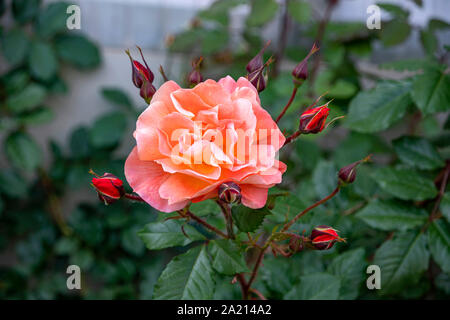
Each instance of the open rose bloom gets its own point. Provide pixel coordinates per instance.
(190, 141)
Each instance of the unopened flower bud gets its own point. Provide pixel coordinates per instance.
(257, 79)
(257, 62)
(108, 186)
(140, 73)
(348, 173)
(195, 77)
(230, 192)
(313, 120)
(300, 72)
(256, 68)
(324, 237)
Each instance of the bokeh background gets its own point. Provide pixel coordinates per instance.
(67, 104)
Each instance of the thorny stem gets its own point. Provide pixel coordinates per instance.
(226, 209)
(444, 182)
(134, 197)
(319, 38)
(163, 73)
(259, 294)
(294, 92)
(318, 203)
(205, 224)
(256, 268)
(292, 137)
(54, 204)
(283, 36)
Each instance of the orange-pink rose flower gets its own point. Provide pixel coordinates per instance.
(190, 141)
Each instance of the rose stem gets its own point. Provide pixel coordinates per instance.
(286, 107)
(206, 224)
(259, 294)
(441, 191)
(298, 216)
(134, 197)
(292, 137)
(226, 209)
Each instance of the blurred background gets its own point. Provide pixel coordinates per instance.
(67, 104)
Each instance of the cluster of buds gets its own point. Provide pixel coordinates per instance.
(195, 77)
(142, 77)
(256, 67)
(108, 186)
(230, 192)
(300, 72)
(324, 237)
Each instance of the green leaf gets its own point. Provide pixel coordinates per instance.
(439, 243)
(12, 184)
(205, 208)
(42, 61)
(227, 258)
(36, 116)
(79, 143)
(214, 41)
(22, 151)
(402, 261)
(165, 234)
(445, 206)
(436, 24)
(286, 207)
(32, 96)
(78, 50)
(349, 267)
(247, 219)
(418, 152)
(317, 286)
(131, 242)
(429, 41)
(396, 11)
(391, 215)
(25, 10)
(117, 97)
(378, 109)
(299, 10)
(405, 184)
(52, 19)
(262, 11)
(108, 130)
(15, 45)
(395, 32)
(325, 178)
(430, 91)
(187, 277)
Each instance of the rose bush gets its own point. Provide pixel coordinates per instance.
(190, 141)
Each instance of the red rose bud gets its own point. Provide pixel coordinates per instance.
(300, 72)
(195, 77)
(313, 120)
(108, 186)
(324, 237)
(348, 173)
(140, 74)
(230, 192)
(147, 91)
(257, 62)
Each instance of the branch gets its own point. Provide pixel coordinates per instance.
(205, 224)
(294, 92)
(318, 203)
